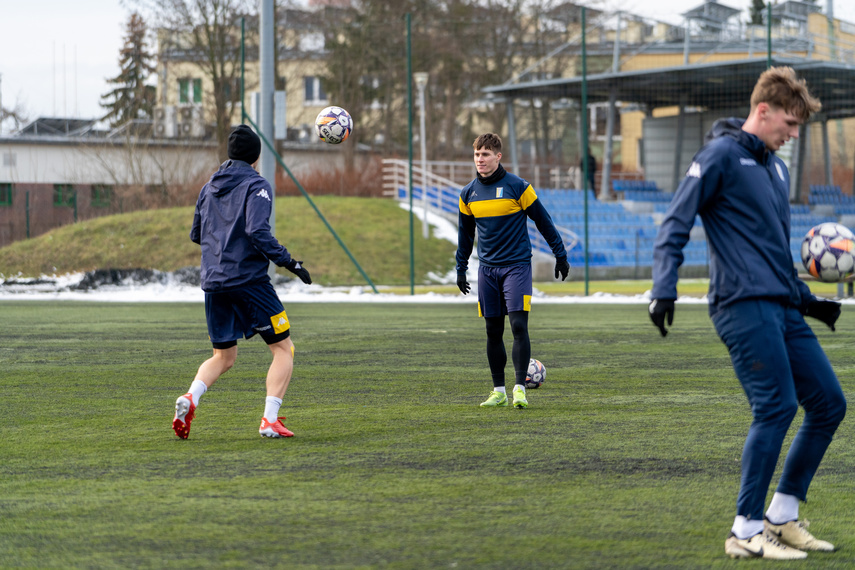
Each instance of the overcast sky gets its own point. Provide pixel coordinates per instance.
(56, 55)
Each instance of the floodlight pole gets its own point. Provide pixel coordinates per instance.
(267, 166)
(421, 79)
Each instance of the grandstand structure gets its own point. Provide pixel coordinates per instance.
(660, 95)
(620, 232)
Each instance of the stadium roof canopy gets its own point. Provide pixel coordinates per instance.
(720, 85)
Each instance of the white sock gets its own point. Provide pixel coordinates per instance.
(783, 508)
(271, 408)
(744, 528)
(198, 389)
(499, 389)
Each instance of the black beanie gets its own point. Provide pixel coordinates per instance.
(244, 144)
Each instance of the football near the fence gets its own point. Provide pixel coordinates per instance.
(828, 252)
(536, 374)
(333, 125)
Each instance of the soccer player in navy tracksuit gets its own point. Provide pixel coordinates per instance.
(499, 204)
(757, 304)
(231, 223)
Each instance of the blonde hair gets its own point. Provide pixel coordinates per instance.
(779, 87)
(488, 141)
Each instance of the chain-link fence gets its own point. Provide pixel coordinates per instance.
(626, 99)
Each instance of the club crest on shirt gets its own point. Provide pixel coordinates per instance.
(499, 192)
(780, 172)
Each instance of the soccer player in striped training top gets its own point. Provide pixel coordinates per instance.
(757, 304)
(499, 204)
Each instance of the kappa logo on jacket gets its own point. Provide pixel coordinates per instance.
(694, 170)
(263, 193)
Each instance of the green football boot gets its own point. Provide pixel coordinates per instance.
(496, 399)
(519, 397)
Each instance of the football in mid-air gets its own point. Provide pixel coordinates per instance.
(828, 252)
(536, 374)
(333, 125)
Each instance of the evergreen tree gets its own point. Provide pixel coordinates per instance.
(132, 98)
(756, 12)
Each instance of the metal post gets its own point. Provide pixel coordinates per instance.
(826, 153)
(606, 183)
(804, 133)
(512, 135)
(410, 149)
(678, 146)
(768, 35)
(686, 43)
(584, 130)
(421, 79)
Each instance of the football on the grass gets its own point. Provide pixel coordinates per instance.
(536, 374)
(828, 252)
(333, 125)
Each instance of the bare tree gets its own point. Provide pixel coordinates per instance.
(17, 115)
(207, 32)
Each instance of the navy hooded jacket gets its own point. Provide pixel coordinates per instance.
(232, 224)
(741, 192)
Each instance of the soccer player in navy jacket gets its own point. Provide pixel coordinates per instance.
(757, 304)
(499, 204)
(231, 223)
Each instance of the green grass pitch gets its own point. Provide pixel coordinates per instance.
(628, 456)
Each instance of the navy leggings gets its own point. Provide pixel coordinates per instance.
(520, 353)
(780, 365)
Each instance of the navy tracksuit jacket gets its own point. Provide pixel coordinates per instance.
(232, 224)
(756, 302)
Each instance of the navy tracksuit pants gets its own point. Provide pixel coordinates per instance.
(780, 365)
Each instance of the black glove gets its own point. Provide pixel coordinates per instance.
(659, 309)
(562, 267)
(824, 310)
(462, 283)
(300, 272)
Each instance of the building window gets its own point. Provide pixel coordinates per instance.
(231, 90)
(5, 194)
(64, 195)
(102, 195)
(314, 91)
(183, 90)
(197, 90)
(184, 94)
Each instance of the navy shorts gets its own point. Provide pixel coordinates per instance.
(244, 312)
(503, 290)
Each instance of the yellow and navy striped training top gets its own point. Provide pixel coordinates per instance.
(499, 210)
